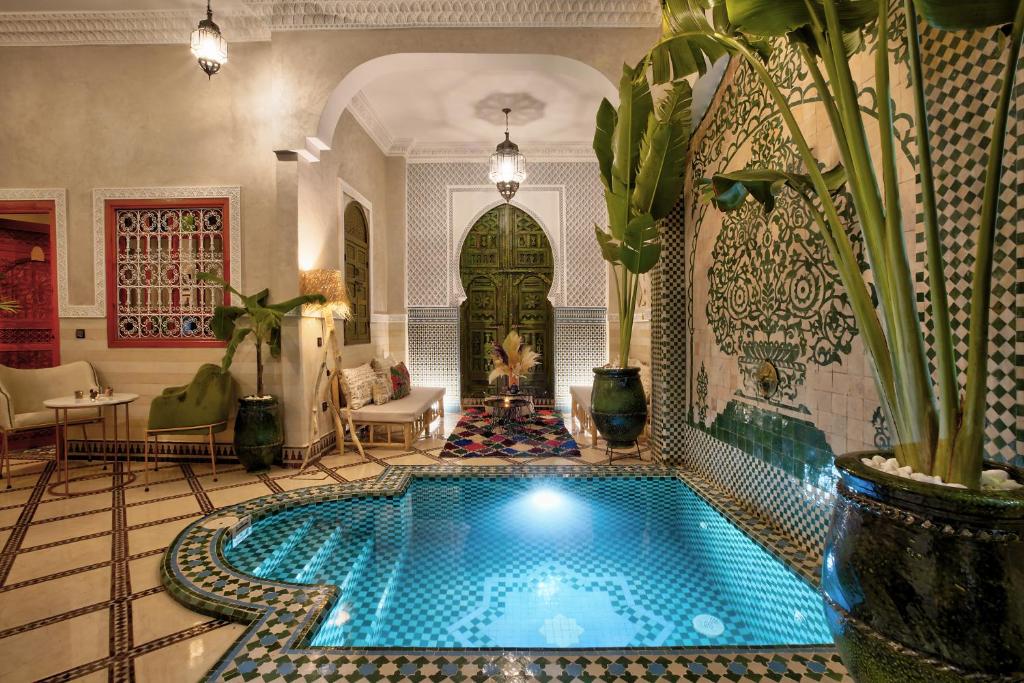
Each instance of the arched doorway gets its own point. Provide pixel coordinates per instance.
(506, 266)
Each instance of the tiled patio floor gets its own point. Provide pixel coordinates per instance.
(80, 594)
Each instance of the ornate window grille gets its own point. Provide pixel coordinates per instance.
(357, 274)
(154, 250)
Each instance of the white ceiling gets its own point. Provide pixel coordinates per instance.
(463, 105)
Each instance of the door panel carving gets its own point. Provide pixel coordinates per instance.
(506, 266)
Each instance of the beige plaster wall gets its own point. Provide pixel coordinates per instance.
(87, 117)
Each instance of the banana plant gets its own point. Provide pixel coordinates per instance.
(264, 322)
(641, 151)
(936, 431)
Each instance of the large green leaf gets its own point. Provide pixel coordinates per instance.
(618, 209)
(781, 17)
(608, 244)
(659, 181)
(223, 322)
(967, 14)
(218, 280)
(635, 105)
(728, 190)
(640, 251)
(290, 304)
(240, 333)
(604, 130)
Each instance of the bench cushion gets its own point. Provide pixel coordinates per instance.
(581, 394)
(400, 410)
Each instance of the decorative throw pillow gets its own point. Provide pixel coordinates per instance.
(381, 388)
(401, 383)
(358, 385)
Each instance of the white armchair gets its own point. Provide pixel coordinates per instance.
(22, 392)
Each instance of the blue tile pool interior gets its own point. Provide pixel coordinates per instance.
(472, 562)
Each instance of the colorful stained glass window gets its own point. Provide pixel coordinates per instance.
(154, 251)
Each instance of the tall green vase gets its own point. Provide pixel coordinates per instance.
(259, 434)
(924, 583)
(618, 405)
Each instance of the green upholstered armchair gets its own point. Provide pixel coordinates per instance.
(201, 407)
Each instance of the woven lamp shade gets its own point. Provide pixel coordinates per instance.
(331, 285)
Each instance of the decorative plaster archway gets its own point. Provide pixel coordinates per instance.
(381, 67)
(461, 228)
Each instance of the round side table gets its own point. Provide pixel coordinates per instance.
(61, 406)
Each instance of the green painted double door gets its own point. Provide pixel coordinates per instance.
(506, 266)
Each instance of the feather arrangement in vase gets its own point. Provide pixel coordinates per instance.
(512, 359)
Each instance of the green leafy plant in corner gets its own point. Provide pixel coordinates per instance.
(936, 431)
(254, 317)
(641, 150)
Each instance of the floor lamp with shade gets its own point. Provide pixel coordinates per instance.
(330, 284)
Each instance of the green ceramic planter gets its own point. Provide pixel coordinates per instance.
(925, 582)
(618, 405)
(259, 434)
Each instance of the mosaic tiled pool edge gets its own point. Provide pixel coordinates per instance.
(194, 572)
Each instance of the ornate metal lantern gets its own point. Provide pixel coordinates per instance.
(508, 166)
(208, 45)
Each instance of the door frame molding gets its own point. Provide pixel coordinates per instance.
(49, 207)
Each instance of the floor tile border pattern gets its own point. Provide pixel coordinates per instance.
(13, 543)
(280, 615)
(123, 667)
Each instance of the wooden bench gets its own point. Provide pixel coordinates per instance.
(413, 413)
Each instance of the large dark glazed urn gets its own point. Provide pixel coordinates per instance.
(259, 434)
(925, 582)
(618, 405)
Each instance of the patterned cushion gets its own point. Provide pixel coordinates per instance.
(401, 383)
(381, 388)
(357, 383)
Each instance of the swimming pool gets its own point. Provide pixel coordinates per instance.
(533, 562)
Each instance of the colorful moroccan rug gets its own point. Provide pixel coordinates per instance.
(541, 435)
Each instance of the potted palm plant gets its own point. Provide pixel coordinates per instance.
(641, 150)
(924, 561)
(259, 434)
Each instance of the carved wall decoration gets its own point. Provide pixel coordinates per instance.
(254, 20)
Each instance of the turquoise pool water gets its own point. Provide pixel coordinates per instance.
(468, 562)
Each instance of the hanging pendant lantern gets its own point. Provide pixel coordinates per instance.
(208, 45)
(508, 166)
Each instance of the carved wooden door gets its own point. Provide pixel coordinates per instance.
(507, 268)
(29, 336)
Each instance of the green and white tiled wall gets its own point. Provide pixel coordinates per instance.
(761, 288)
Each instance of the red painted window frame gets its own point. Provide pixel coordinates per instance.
(109, 209)
(49, 207)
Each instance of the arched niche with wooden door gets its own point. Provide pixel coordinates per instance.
(506, 266)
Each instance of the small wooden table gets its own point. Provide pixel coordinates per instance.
(61, 406)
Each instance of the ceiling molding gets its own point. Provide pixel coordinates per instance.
(416, 151)
(259, 18)
(367, 117)
(128, 27)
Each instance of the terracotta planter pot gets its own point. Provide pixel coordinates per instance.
(925, 582)
(618, 405)
(259, 434)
